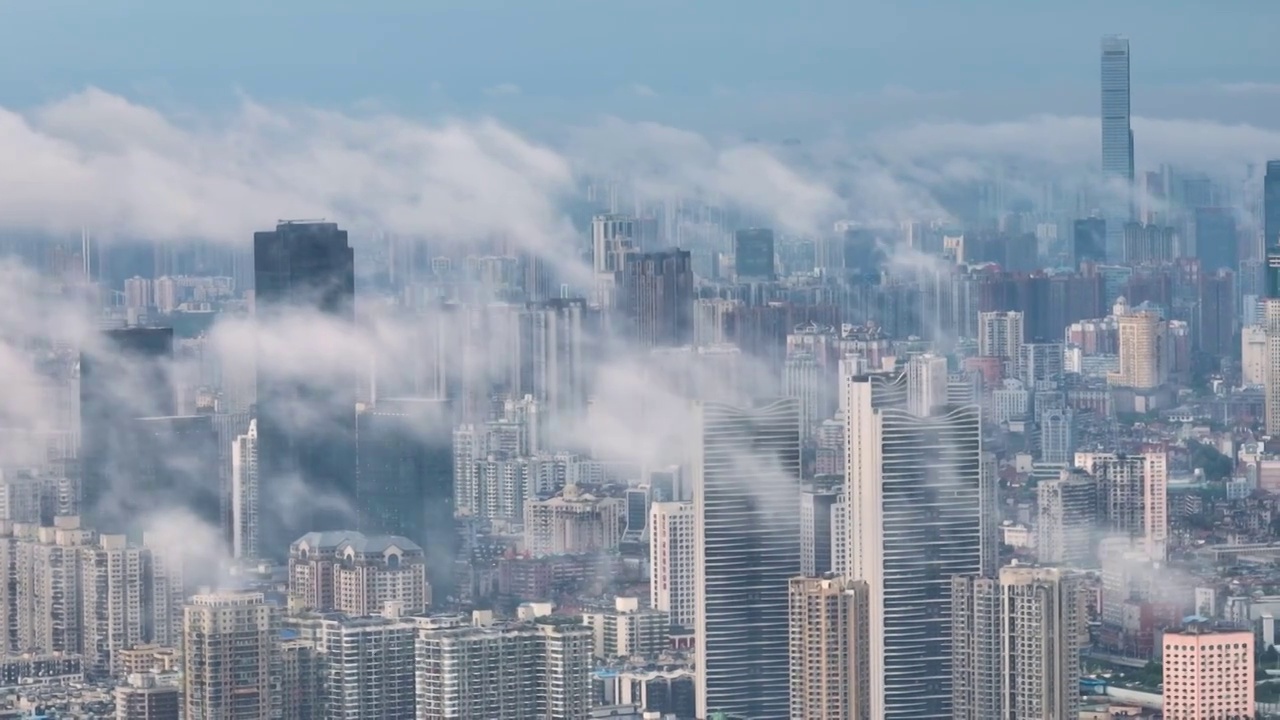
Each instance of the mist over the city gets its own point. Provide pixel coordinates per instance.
(647, 361)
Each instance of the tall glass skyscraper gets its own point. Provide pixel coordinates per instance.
(1271, 226)
(1117, 142)
(919, 510)
(747, 549)
(306, 415)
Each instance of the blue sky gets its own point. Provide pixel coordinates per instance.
(771, 66)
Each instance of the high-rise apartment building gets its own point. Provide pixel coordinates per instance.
(1117, 142)
(230, 657)
(1000, 334)
(367, 667)
(656, 298)
(142, 698)
(304, 272)
(1149, 243)
(746, 469)
(1217, 246)
(504, 671)
(1208, 673)
(672, 579)
(1017, 642)
(829, 639)
(628, 630)
(1067, 519)
(919, 509)
(573, 522)
(349, 572)
(802, 380)
(1057, 435)
(558, 363)
(1144, 354)
(1132, 496)
(753, 254)
(1271, 380)
(244, 494)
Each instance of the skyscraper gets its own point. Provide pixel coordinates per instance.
(1271, 226)
(747, 549)
(1000, 334)
(753, 254)
(1216, 245)
(672, 579)
(244, 494)
(404, 478)
(305, 272)
(918, 504)
(124, 375)
(1117, 142)
(1089, 240)
(656, 298)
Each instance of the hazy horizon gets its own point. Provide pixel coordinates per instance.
(808, 69)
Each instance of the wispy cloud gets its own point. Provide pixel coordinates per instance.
(502, 90)
(641, 90)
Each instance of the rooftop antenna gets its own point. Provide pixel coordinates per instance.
(300, 222)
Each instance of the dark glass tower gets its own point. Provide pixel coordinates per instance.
(404, 478)
(1271, 226)
(1089, 240)
(124, 375)
(657, 298)
(753, 254)
(305, 272)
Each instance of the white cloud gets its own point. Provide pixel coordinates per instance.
(642, 90)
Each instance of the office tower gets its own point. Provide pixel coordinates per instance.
(1117, 141)
(304, 275)
(175, 461)
(636, 514)
(656, 298)
(348, 572)
(1208, 673)
(404, 478)
(504, 671)
(920, 509)
(244, 494)
(672, 580)
(1144, 360)
(230, 656)
(1132, 496)
(1067, 519)
(1271, 227)
(1218, 316)
(1089, 240)
(142, 698)
(1149, 243)
(1017, 642)
(1216, 243)
(628, 630)
(368, 665)
(1000, 334)
(124, 375)
(753, 254)
(829, 633)
(817, 503)
(746, 468)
